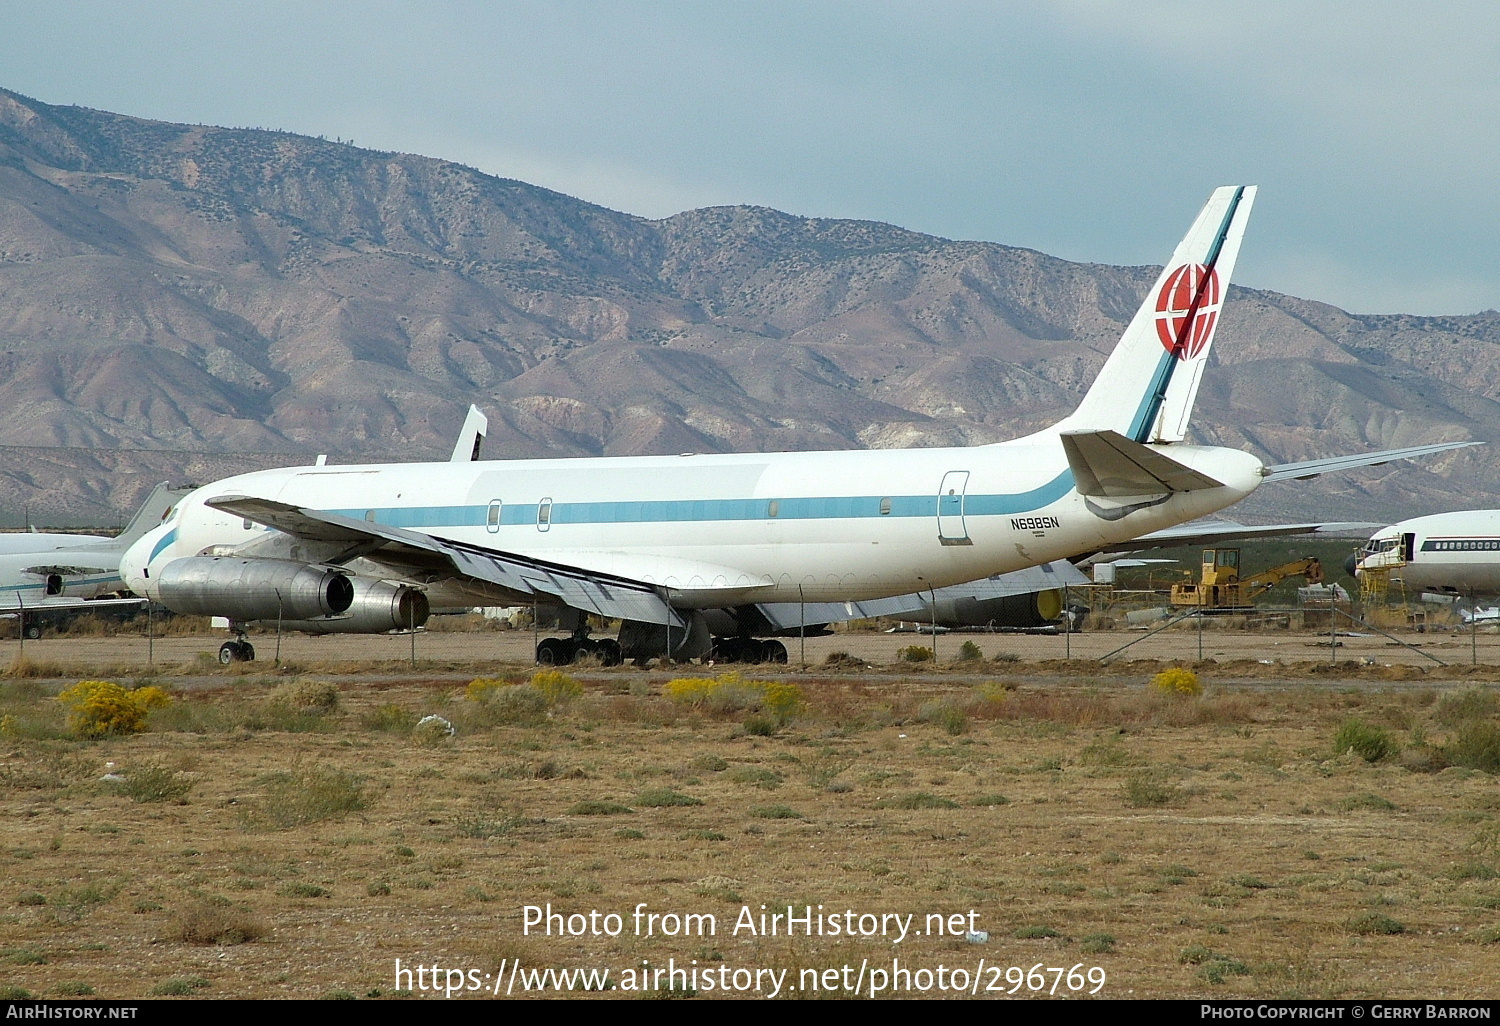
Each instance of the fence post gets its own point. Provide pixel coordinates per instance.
(1067, 627)
(802, 623)
(1333, 633)
(932, 594)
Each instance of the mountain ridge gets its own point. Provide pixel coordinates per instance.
(191, 289)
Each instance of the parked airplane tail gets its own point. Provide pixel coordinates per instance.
(1146, 389)
(162, 498)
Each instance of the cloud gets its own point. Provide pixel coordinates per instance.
(1083, 128)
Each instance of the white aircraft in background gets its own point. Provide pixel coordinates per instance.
(656, 541)
(1456, 554)
(46, 574)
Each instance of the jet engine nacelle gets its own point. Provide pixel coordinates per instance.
(1036, 609)
(253, 589)
(378, 606)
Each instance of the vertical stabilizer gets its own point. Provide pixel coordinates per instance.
(162, 498)
(470, 437)
(1147, 386)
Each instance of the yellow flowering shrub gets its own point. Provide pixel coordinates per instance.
(557, 686)
(1177, 681)
(783, 700)
(480, 688)
(731, 692)
(99, 708)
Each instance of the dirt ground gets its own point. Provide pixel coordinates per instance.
(1219, 845)
(1182, 642)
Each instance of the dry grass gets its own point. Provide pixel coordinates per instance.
(1221, 845)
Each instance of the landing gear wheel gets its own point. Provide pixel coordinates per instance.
(554, 652)
(772, 652)
(584, 647)
(32, 632)
(727, 650)
(236, 652)
(609, 652)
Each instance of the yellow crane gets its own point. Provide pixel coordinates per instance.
(1220, 585)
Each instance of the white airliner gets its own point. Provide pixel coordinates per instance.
(1445, 553)
(45, 574)
(656, 541)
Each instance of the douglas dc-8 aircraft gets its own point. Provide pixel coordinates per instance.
(655, 541)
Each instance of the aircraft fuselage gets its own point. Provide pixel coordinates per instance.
(719, 530)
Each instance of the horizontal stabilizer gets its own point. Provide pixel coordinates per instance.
(1106, 463)
(787, 616)
(525, 577)
(1312, 468)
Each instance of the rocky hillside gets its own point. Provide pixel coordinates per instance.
(187, 300)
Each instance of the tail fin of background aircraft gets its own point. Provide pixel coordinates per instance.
(470, 437)
(162, 498)
(1147, 386)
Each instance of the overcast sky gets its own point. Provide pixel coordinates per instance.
(1091, 130)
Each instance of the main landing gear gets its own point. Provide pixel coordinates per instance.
(566, 651)
(747, 650)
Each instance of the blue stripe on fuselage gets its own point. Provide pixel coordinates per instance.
(166, 539)
(835, 507)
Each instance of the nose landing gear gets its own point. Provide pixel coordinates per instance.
(239, 651)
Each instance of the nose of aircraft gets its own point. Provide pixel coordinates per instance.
(137, 557)
(1351, 565)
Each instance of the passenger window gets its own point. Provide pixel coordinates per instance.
(773, 508)
(492, 520)
(544, 514)
(885, 507)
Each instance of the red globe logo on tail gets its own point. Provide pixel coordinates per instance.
(1175, 301)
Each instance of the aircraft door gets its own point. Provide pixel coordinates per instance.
(952, 530)
(1408, 547)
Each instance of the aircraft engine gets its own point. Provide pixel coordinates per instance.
(253, 589)
(1037, 609)
(378, 606)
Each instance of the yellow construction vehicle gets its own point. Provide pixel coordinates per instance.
(1221, 587)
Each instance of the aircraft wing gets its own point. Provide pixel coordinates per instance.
(1215, 531)
(527, 577)
(11, 602)
(1227, 530)
(1312, 468)
(791, 615)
